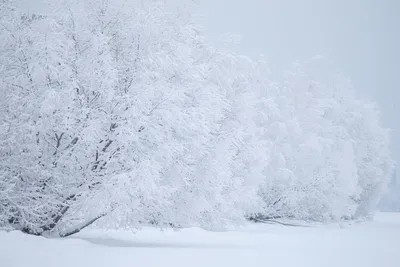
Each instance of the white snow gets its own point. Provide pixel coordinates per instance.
(375, 243)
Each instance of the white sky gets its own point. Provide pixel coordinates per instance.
(362, 37)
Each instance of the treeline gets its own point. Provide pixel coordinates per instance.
(124, 112)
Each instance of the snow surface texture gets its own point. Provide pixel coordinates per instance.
(374, 243)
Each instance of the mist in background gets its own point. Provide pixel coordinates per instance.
(360, 37)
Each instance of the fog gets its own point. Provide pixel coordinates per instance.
(361, 37)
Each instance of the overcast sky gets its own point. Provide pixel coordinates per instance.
(362, 38)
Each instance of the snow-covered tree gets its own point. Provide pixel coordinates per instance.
(330, 157)
(121, 110)
(113, 107)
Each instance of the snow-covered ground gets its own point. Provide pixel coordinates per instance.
(375, 243)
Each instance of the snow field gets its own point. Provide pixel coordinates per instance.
(375, 243)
